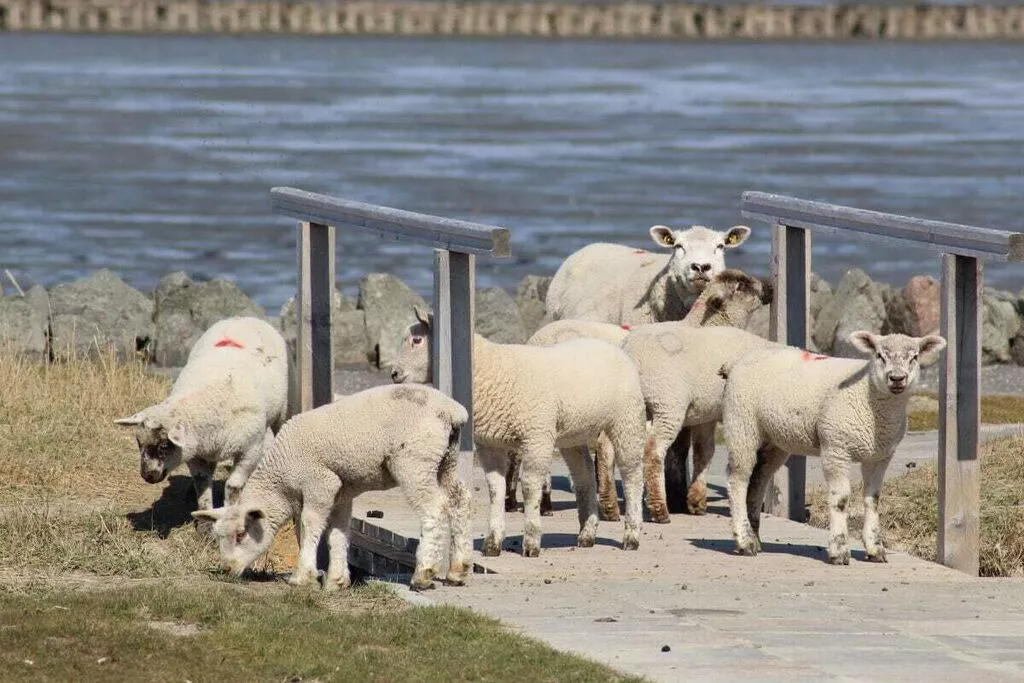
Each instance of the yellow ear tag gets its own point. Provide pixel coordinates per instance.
(731, 239)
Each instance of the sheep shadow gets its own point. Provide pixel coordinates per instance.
(173, 508)
(814, 552)
(514, 544)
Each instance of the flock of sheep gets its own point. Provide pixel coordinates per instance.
(639, 347)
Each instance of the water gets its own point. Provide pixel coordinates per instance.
(153, 154)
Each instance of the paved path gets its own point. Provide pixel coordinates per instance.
(785, 615)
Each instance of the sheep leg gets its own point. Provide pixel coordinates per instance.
(703, 438)
(317, 504)
(546, 509)
(202, 481)
(629, 458)
(581, 465)
(244, 467)
(769, 460)
(676, 475)
(665, 429)
(604, 464)
(493, 462)
(459, 513)
(742, 459)
(873, 473)
(337, 544)
(512, 480)
(536, 465)
(836, 465)
(422, 488)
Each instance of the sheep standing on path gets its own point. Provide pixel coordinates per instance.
(231, 397)
(322, 459)
(535, 399)
(784, 400)
(617, 284)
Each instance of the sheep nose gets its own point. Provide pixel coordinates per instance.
(701, 267)
(897, 379)
(394, 376)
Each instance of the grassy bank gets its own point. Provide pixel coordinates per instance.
(994, 410)
(103, 578)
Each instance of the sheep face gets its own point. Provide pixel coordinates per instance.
(413, 362)
(734, 296)
(698, 253)
(161, 447)
(897, 358)
(241, 534)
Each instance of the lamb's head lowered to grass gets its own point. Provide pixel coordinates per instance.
(896, 359)
(414, 358)
(698, 253)
(163, 439)
(241, 534)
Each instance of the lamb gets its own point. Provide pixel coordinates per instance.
(617, 284)
(231, 397)
(323, 458)
(535, 399)
(783, 400)
(671, 382)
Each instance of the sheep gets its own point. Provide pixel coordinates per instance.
(617, 284)
(668, 381)
(784, 400)
(231, 397)
(373, 440)
(535, 399)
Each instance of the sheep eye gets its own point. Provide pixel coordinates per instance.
(164, 446)
(720, 246)
(416, 341)
(913, 359)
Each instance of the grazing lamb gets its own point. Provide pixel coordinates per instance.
(729, 300)
(322, 459)
(231, 397)
(535, 399)
(783, 400)
(617, 284)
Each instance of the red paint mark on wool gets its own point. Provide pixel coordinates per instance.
(228, 342)
(807, 355)
(625, 326)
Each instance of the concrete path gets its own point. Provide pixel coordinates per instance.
(683, 607)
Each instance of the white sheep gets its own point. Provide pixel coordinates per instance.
(617, 284)
(780, 401)
(231, 397)
(373, 440)
(535, 399)
(672, 382)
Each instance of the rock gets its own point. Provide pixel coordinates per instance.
(530, 296)
(25, 324)
(348, 335)
(821, 295)
(858, 304)
(388, 304)
(915, 309)
(100, 311)
(498, 318)
(1000, 324)
(185, 308)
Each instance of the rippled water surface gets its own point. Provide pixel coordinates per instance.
(153, 154)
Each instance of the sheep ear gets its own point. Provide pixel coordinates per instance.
(736, 236)
(424, 316)
(662, 236)
(212, 515)
(136, 419)
(254, 515)
(929, 347)
(767, 290)
(865, 341)
(179, 435)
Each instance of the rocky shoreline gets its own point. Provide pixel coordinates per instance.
(101, 311)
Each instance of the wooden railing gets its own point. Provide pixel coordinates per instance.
(456, 244)
(963, 248)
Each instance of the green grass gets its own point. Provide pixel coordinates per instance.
(225, 632)
(994, 410)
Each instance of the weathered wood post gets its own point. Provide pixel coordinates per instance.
(789, 324)
(314, 362)
(960, 414)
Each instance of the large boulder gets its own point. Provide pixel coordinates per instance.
(25, 324)
(530, 296)
(498, 318)
(388, 305)
(915, 309)
(348, 330)
(98, 312)
(1000, 324)
(858, 304)
(820, 292)
(184, 309)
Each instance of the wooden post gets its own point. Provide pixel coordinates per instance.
(462, 287)
(959, 419)
(791, 271)
(441, 345)
(314, 349)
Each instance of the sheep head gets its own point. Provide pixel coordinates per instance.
(242, 534)
(698, 253)
(896, 358)
(730, 298)
(163, 438)
(414, 359)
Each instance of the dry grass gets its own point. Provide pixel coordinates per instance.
(909, 509)
(994, 410)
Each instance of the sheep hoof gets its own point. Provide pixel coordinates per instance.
(531, 548)
(661, 516)
(419, 585)
(422, 579)
(750, 548)
(457, 575)
(842, 558)
(301, 577)
(491, 548)
(696, 505)
(631, 543)
(511, 505)
(878, 556)
(585, 541)
(335, 585)
(610, 516)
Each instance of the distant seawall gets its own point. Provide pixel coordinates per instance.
(552, 20)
